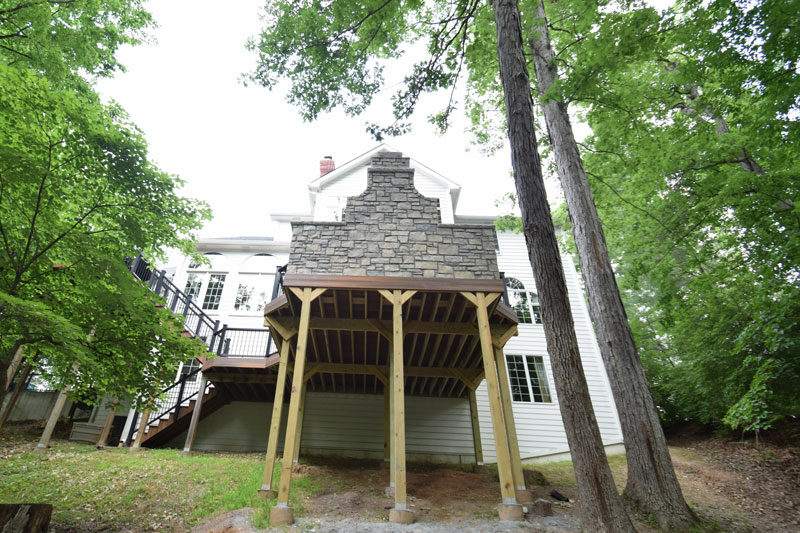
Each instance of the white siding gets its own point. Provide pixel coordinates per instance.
(539, 427)
(343, 424)
(352, 424)
(238, 426)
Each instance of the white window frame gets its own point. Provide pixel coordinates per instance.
(523, 301)
(528, 361)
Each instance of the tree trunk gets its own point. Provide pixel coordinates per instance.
(8, 367)
(652, 483)
(600, 504)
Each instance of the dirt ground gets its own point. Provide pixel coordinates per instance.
(357, 490)
(733, 485)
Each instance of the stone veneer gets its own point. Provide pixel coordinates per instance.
(392, 230)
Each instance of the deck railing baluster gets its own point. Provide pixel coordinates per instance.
(180, 397)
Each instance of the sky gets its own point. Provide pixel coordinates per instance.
(245, 150)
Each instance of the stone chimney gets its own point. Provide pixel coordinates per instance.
(326, 165)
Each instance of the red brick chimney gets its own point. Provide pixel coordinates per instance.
(326, 165)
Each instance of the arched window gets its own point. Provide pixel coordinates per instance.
(256, 280)
(524, 302)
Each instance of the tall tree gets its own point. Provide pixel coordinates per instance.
(77, 195)
(694, 166)
(601, 506)
(326, 51)
(651, 481)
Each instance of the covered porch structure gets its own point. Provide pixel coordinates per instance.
(400, 336)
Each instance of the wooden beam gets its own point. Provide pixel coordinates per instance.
(312, 370)
(384, 327)
(500, 340)
(102, 441)
(476, 427)
(242, 378)
(381, 328)
(378, 372)
(275, 425)
(300, 416)
(508, 415)
(285, 332)
(143, 425)
(387, 428)
(55, 413)
(392, 398)
(12, 401)
(195, 421)
(398, 390)
(382, 372)
(294, 403)
(507, 489)
(470, 296)
(12, 367)
(335, 281)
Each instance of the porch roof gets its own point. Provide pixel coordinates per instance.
(350, 328)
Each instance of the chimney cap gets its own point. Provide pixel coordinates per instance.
(328, 157)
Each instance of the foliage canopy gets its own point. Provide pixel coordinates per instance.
(692, 159)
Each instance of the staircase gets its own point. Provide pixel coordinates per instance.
(174, 410)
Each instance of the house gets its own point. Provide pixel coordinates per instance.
(380, 263)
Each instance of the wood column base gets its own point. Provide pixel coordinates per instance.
(510, 511)
(281, 516)
(524, 496)
(401, 516)
(267, 494)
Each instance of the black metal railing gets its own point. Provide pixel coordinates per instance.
(243, 342)
(221, 341)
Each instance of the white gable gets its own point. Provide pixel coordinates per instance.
(329, 193)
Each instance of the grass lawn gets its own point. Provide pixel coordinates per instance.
(151, 489)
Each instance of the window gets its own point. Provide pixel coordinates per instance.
(251, 296)
(216, 282)
(528, 379)
(193, 284)
(188, 367)
(524, 302)
(195, 265)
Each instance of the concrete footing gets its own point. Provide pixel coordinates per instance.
(524, 496)
(510, 511)
(281, 516)
(401, 516)
(267, 494)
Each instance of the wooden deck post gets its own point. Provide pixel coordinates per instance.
(400, 513)
(266, 490)
(13, 367)
(523, 496)
(300, 415)
(191, 433)
(509, 509)
(55, 413)
(282, 514)
(12, 401)
(392, 447)
(137, 443)
(102, 441)
(387, 426)
(476, 427)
